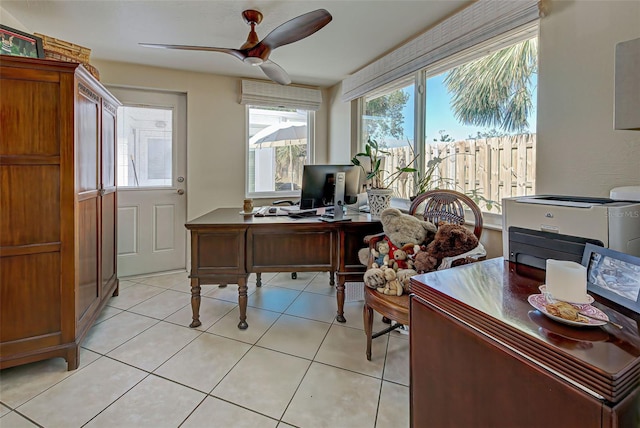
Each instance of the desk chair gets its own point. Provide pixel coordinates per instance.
(434, 206)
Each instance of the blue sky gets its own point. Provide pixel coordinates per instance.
(440, 117)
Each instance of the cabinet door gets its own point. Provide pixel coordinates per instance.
(87, 185)
(108, 198)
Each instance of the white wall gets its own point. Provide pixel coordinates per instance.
(216, 134)
(339, 127)
(579, 153)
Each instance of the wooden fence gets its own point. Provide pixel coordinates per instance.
(485, 169)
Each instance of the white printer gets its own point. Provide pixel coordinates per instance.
(535, 228)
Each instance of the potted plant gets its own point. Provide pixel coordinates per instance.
(379, 186)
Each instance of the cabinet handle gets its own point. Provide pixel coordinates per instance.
(101, 192)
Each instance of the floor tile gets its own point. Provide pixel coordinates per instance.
(259, 322)
(314, 306)
(4, 409)
(218, 413)
(332, 397)
(296, 336)
(320, 285)
(228, 293)
(203, 362)
(153, 403)
(263, 381)
(21, 383)
(115, 331)
(266, 276)
(353, 314)
(78, 398)
(284, 280)
(154, 346)
(211, 310)
(273, 298)
(346, 347)
(123, 283)
(396, 368)
(397, 414)
(107, 312)
(15, 420)
(133, 295)
(168, 280)
(162, 305)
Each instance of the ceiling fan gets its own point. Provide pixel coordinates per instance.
(255, 51)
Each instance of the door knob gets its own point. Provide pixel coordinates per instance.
(180, 191)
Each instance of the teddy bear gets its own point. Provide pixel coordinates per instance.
(401, 260)
(392, 285)
(450, 240)
(399, 230)
(403, 233)
(380, 254)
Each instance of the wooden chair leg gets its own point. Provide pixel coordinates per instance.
(367, 314)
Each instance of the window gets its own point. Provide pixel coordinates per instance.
(145, 147)
(477, 123)
(278, 147)
(388, 118)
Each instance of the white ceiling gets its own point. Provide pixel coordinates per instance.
(361, 31)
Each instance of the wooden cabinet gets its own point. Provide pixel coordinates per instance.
(58, 207)
(481, 356)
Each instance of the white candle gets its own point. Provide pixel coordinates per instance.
(567, 281)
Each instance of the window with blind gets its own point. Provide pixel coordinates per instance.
(463, 101)
(280, 122)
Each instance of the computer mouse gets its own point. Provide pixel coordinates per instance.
(273, 210)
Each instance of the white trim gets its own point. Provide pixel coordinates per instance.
(474, 25)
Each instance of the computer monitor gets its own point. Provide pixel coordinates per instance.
(318, 185)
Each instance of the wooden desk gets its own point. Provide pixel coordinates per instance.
(482, 356)
(226, 246)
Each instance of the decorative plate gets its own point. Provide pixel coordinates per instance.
(589, 299)
(539, 302)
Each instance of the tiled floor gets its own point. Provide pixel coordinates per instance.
(142, 366)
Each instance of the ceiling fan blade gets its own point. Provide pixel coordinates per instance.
(241, 55)
(275, 72)
(297, 28)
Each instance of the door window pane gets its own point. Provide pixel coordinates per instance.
(145, 147)
(278, 149)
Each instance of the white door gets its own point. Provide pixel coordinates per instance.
(152, 198)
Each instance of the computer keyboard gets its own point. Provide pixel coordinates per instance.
(303, 214)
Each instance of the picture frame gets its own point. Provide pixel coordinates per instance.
(17, 43)
(613, 275)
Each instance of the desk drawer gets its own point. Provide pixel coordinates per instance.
(220, 251)
(301, 248)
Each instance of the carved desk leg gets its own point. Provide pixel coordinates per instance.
(242, 302)
(195, 302)
(340, 298)
(258, 279)
(332, 278)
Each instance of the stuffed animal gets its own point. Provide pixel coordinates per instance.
(401, 259)
(392, 285)
(380, 254)
(401, 229)
(450, 240)
(403, 276)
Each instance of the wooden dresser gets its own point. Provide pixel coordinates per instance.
(482, 356)
(58, 207)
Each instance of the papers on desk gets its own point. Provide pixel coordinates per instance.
(270, 211)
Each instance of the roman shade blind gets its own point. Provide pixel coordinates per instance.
(269, 94)
(472, 26)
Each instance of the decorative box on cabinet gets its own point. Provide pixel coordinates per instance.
(58, 207)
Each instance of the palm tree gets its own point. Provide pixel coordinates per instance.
(494, 91)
